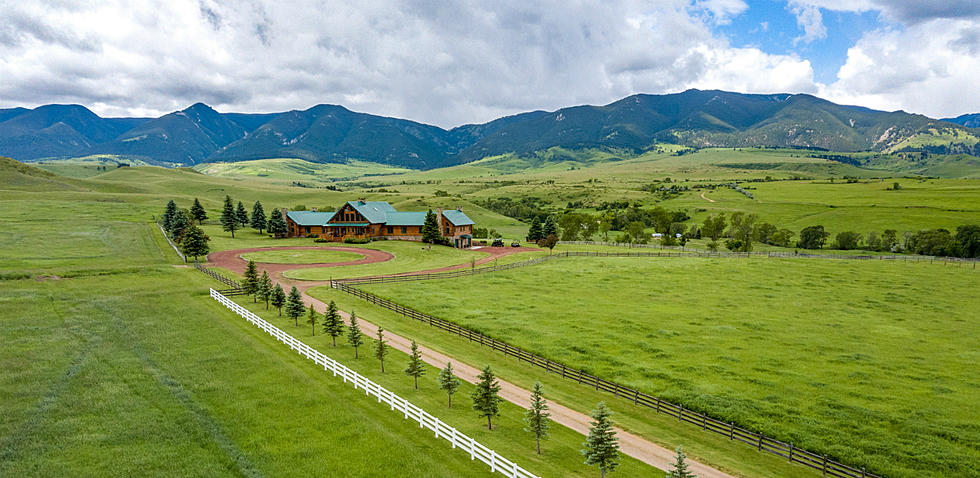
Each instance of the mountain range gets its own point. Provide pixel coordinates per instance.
(331, 133)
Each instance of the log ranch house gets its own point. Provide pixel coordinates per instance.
(376, 219)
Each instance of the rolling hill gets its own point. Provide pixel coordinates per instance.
(334, 134)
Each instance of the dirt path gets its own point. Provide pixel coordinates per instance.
(233, 261)
(706, 199)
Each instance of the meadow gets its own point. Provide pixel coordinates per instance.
(302, 256)
(409, 257)
(862, 359)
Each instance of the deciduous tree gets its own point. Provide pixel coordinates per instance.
(448, 382)
(486, 398)
(812, 237)
(548, 241)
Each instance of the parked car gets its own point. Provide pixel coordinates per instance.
(498, 243)
(515, 244)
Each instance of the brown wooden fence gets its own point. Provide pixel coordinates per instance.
(235, 287)
(827, 466)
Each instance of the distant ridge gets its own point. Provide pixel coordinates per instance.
(333, 133)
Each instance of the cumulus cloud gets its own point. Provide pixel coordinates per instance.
(438, 62)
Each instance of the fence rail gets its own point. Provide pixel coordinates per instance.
(236, 288)
(761, 442)
(167, 237)
(476, 450)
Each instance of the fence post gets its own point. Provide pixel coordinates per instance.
(731, 430)
(825, 465)
(760, 442)
(680, 412)
(790, 451)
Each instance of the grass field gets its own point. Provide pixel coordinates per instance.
(409, 256)
(302, 256)
(881, 361)
(289, 170)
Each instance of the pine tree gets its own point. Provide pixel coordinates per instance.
(277, 225)
(448, 382)
(264, 293)
(311, 318)
(430, 228)
(485, 398)
(229, 222)
(381, 348)
(680, 467)
(601, 446)
(258, 217)
(354, 335)
(416, 368)
(180, 222)
(241, 215)
(332, 324)
(198, 213)
(168, 215)
(195, 243)
(278, 298)
(536, 417)
(294, 305)
(550, 227)
(535, 232)
(250, 284)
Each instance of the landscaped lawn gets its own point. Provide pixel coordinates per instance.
(870, 361)
(302, 256)
(409, 256)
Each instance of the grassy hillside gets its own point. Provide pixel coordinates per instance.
(290, 170)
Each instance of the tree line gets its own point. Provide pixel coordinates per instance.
(234, 218)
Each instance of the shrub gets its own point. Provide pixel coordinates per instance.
(354, 240)
(320, 239)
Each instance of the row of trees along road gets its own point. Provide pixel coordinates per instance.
(234, 218)
(179, 226)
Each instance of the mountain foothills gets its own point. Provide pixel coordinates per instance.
(334, 134)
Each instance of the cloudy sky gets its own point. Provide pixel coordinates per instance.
(449, 63)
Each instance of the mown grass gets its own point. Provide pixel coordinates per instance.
(302, 256)
(409, 256)
(864, 360)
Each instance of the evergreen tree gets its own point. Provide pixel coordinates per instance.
(535, 232)
(602, 446)
(277, 225)
(311, 318)
(354, 335)
(180, 222)
(680, 469)
(416, 368)
(332, 323)
(486, 400)
(448, 382)
(258, 217)
(195, 243)
(241, 215)
(250, 284)
(265, 291)
(294, 305)
(168, 215)
(550, 227)
(198, 213)
(278, 298)
(430, 229)
(381, 348)
(536, 417)
(229, 221)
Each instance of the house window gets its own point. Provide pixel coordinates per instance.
(307, 229)
(447, 230)
(404, 230)
(391, 230)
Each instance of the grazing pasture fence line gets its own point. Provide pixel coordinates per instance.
(476, 450)
(167, 237)
(761, 442)
(235, 287)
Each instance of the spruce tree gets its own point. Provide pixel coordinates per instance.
(381, 348)
(536, 417)
(680, 469)
(241, 215)
(485, 399)
(180, 222)
(550, 227)
(535, 232)
(277, 225)
(229, 221)
(264, 293)
(250, 284)
(198, 213)
(258, 217)
(278, 298)
(294, 305)
(195, 243)
(354, 335)
(601, 446)
(332, 323)
(448, 382)
(416, 368)
(311, 318)
(168, 215)
(430, 228)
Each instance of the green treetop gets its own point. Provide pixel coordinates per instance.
(486, 400)
(198, 213)
(448, 382)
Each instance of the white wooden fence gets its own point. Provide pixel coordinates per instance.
(167, 237)
(450, 434)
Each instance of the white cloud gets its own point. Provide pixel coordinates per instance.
(722, 11)
(810, 20)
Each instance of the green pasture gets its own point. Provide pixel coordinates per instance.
(290, 170)
(864, 360)
(302, 256)
(409, 256)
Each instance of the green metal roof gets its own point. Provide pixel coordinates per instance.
(374, 211)
(345, 224)
(309, 218)
(457, 217)
(406, 218)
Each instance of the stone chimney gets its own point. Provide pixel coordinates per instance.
(313, 209)
(439, 220)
